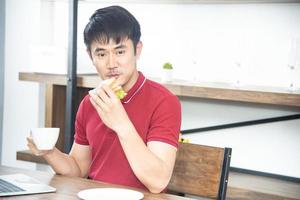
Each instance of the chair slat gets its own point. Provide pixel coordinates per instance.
(197, 170)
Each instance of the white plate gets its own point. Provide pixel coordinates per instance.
(110, 194)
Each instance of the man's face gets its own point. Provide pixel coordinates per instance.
(116, 60)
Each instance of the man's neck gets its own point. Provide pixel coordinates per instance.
(133, 79)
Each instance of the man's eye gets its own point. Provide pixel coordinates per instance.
(120, 52)
(101, 54)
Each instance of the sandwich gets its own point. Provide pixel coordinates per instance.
(112, 83)
(118, 90)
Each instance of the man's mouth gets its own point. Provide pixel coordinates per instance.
(113, 75)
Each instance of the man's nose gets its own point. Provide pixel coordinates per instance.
(112, 61)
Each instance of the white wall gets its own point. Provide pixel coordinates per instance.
(2, 35)
(20, 98)
(204, 42)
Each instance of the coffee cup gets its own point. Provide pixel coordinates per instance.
(45, 138)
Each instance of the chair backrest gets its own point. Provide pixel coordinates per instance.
(201, 170)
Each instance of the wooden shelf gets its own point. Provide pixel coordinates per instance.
(217, 91)
(26, 155)
(86, 81)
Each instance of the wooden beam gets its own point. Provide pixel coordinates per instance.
(217, 91)
(26, 155)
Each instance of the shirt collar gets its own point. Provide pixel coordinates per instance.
(133, 90)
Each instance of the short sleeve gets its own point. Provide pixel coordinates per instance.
(80, 131)
(166, 121)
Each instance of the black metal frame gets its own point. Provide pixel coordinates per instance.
(71, 77)
(265, 174)
(240, 124)
(224, 174)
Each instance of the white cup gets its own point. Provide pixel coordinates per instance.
(45, 138)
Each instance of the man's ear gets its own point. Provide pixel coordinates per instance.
(139, 47)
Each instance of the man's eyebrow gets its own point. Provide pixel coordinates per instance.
(98, 49)
(121, 46)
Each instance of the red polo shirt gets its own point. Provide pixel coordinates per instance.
(156, 115)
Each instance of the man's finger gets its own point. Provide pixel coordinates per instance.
(29, 139)
(98, 103)
(103, 95)
(109, 92)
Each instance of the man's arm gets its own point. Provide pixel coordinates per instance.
(152, 164)
(76, 163)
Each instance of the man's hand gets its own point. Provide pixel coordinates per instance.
(109, 108)
(34, 149)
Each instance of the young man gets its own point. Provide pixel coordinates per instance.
(132, 141)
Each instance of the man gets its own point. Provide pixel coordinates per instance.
(132, 141)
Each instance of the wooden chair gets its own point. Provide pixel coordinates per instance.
(201, 170)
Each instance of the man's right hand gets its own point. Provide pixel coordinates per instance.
(76, 164)
(34, 149)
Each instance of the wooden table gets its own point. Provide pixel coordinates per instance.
(68, 187)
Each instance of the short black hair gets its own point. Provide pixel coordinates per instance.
(113, 22)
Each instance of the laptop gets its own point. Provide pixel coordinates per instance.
(18, 184)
